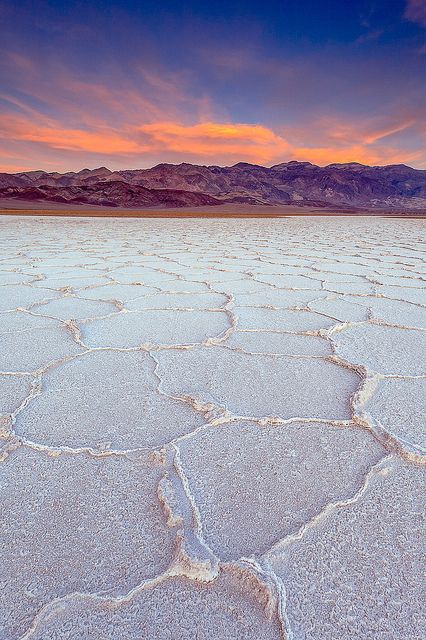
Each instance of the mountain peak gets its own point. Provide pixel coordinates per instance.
(246, 165)
(293, 164)
(339, 185)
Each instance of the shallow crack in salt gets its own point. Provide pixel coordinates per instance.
(380, 468)
(276, 389)
(194, 558)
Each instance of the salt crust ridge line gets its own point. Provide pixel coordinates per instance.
(207, 569)
(380, 468)
(365, 390)
(360, 416)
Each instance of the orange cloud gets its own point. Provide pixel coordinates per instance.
(155, 117)
(211, 139)
(353, 153)
(219, 142)
(205, 140)
(367, 140)
(105, 141)
(13, 168)
(151, 96)
(366, 131)
(54, 117)
(257, 143)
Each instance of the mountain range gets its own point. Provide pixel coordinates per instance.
(351, 186)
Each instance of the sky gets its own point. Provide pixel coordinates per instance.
(131, 84)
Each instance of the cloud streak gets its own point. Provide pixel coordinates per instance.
(205, 142)
(234, 106)
(415, 11)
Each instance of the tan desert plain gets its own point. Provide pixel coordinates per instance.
(212, 428)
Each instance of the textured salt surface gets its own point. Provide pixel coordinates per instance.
(212, 429)
(106, 398)
(279, 343)
(74, 523)
(248, 384)
(231, 607)
(357, 572)
(73, 308)
(285, 489)
(154, 326)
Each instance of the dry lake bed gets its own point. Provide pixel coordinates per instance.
(212, 429)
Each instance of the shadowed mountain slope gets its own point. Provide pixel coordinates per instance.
(393, 187)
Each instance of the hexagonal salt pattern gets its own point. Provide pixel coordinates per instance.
(155, 326)
(289, 472)
(358, 572)
(76, 524)
(399, 406)
(212, 428)
(107, 399)
(13, 391)
(35, 344)
(249, 384)
(383, 349)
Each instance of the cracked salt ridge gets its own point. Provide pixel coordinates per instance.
(112, 403)
(70, 272)
(381, 348)
(112, 291)
(417, 296)
(15, 390)
(397, 407)
(157, 327)
(289, 282)
(360, 288)
(53, 284)
(35, 344)
(202, 301)
(396, 312)
(233, 606)
(340, 309)
(8, 278)
(288, 490)
(387, 429)
(104, 531)
(279, 298)
(73, 307)
(257, 319)
(279, 589)
(405, 436)
(259, 386)
(279, 343)
(417, 282)
(22, 295)
(367, 552)
(182, 286)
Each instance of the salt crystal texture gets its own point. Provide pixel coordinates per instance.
(212, 428)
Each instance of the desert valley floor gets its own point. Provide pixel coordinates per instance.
(212, 429)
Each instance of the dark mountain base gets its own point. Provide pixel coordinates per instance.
(350, 187)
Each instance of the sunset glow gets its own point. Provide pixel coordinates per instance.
(198, 93)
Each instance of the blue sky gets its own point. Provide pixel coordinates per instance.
(130, 84)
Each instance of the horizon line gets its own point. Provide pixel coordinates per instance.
(208, 166)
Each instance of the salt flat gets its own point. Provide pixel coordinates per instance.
(212, 429)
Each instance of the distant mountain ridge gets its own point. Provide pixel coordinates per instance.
(351, 185)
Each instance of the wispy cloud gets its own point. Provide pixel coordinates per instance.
(54, 117)
(208, 142)
(415, 11)
(211, 140)
(369, 36)
(49, 133)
